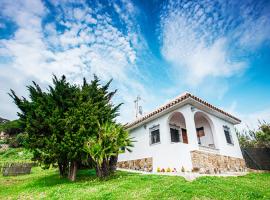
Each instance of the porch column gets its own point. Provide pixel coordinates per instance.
(191, 128)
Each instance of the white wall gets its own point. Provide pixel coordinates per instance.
(175, 155)
(225, 148)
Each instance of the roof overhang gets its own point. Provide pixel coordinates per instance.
(185, 99)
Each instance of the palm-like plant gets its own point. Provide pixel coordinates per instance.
(104, 147)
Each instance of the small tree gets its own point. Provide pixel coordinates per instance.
(255, 138)
(246, 137)
(104, 147)
(263, 135)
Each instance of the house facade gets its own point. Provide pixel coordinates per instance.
(186, 134)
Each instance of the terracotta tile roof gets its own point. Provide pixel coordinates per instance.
(175, 101)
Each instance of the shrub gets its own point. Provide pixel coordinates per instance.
(16, 141)
(12, 142)
(22, 139)
(15, 154)
(168, 169)
(255, 138)
(162, 170)
(11, 127)
(158, 169)
(2, 142)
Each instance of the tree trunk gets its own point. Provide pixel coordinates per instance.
(103, 171)
(62, 169)
(73, 171)
(113, 163)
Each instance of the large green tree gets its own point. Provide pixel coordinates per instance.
(60, 120)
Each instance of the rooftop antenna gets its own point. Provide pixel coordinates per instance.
(138, 109)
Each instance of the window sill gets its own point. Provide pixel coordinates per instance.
(178, 142)
(175, 142)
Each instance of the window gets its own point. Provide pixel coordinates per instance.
(154, 135)
(200, 133)
(175, 135)
(184, 136)
(227, 133)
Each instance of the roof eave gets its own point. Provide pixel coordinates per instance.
(180, 104)
(204, 106)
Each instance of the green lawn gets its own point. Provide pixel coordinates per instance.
(46, 184)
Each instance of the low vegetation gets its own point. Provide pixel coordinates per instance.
(11, 127)
(259, 138)
(13, 133)
(46, 184)
(12, 155)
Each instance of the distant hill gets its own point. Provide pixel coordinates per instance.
(2, 120)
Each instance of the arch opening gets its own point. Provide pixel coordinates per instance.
(177, 126)
(204, 130)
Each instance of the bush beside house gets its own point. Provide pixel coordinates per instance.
(255, 146)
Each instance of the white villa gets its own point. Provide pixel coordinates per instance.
(186, 134)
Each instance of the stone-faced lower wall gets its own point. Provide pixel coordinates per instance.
(214, 163)
(144, 164)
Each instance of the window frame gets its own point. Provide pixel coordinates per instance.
(154, 128)
(197, 134)
(174, 126)
(226, 128)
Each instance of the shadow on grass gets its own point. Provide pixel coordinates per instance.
(89, 175)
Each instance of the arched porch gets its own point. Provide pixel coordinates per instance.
(177, 127)
(204, 130)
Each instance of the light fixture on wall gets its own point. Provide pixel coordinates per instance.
(144, 126)
(192, 108)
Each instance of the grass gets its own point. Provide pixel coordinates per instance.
(46, 184)
(15, 155)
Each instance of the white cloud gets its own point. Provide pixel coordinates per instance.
(251, 121)
(189, 44)
(200, 38)
(2, 25)
(255, 32)
(193, 39)
(89, 44)
(89, 19)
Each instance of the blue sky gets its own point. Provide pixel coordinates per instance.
(217, 50)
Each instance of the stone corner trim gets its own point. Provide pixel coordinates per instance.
(143, 164)
(212, 163)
